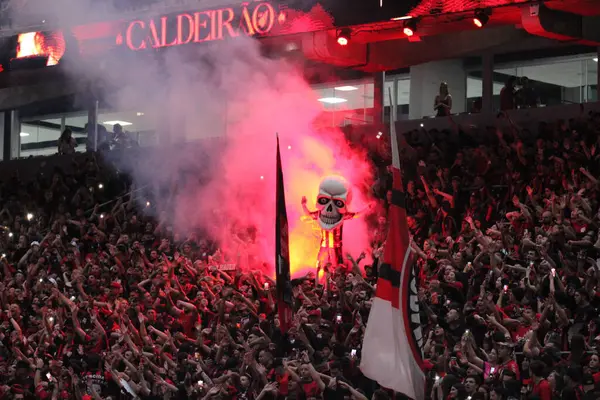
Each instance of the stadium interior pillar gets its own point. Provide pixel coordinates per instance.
(487, 77)
(11, 138)
(378, 97)
(92, 130)
(425, 82)
(4, 140)
(598, 75)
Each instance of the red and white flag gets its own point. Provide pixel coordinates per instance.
(392, 345)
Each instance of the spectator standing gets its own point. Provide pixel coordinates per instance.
(526, 96)
(66, 142)
(443, 101)
(507, 94)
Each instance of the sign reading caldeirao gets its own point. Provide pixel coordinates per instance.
(249, 19)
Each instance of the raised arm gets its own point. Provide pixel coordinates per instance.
(307, 212)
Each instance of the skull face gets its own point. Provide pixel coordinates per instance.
(332, 201)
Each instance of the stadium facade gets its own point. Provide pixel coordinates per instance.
(371, 47)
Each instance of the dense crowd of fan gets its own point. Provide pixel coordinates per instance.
(101, 301)
(505, 225)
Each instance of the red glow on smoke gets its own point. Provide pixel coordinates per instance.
(336, 160)
(307, 157)
(242, 193)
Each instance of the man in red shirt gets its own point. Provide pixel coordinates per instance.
(506, 361)
(541, 387)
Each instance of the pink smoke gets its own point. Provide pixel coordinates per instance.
(307, 156)
(275, 99)
(232, 186)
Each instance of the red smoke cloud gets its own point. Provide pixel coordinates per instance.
(275, 99)
(242, 99)
(248, 189)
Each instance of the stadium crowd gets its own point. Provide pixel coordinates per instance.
(101, 301)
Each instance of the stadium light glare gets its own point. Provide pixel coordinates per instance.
(343, 36)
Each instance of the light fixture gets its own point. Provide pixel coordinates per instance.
(332, 100)
(139, 113)
(346, 88)
(402, 18)
(122, 123)
(291, 46)
(481, 18)
(378, 136)
(343, 36)
(23, 134)
(410, 27)
(595, 59)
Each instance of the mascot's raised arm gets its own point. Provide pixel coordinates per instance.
(333, 200)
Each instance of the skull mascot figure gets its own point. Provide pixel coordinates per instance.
(332, 204)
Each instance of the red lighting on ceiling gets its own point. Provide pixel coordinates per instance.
(425, 7)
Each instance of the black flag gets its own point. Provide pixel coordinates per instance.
(282, 253)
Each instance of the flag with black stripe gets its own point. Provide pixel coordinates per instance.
(392, 345)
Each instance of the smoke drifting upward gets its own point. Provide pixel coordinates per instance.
(229, 183)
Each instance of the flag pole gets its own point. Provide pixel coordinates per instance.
(393, 136)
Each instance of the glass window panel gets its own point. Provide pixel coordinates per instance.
(563, 80)
(77, 122)
(38, 140)
(387, 87)
(137, 126)
(39, 135)
(346, 103)
(475, 91)
(403, 91)
(592, 79)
